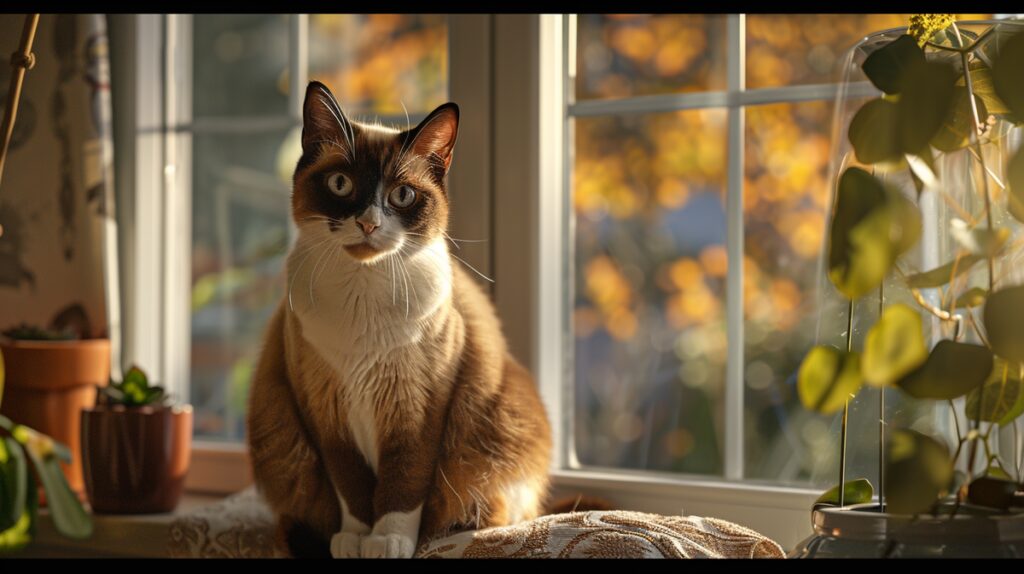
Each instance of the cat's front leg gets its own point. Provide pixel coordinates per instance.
(354, 485)
(406, 467)
(347, 543)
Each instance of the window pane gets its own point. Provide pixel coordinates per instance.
(240, 215)
(635, 54)
(374, 63)
(791, 49)
(649, 300)
(785, 200)
(240, 64)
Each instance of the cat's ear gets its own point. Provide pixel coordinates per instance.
(436, 134)
(323, 120)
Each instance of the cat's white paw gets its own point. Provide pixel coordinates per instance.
(346, 545)
(388, 546)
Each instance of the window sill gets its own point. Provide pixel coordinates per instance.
(780, 513)
(114, 536)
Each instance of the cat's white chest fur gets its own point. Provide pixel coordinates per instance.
(366, 321)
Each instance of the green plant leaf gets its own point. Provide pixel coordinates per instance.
(871, 225)
(952, 370)
(856, 491)
(917, 472)
(136, 377)
(973, 297)
(922, 169)
(1004, 323)
(1001, 399)
(894, 346)
(873, 134)
(827, 378)
(925, 103)
(995, 472)
(857, 196)
(69, 516)
(18, 536)
(887, 66)
(905, 223)
(941, 275)
(1008, 74)
(955, 131)
(991, 492)
(153, 395)
(981, 82)
(13, 482)
(1015, 182)
(979, 240)
(6, 424)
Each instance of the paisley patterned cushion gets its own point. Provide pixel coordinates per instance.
(242, 526)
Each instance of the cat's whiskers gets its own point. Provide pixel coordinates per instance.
(309, 250)
(312, 275)
(464, 262)
(402, 151)
(391, 272)
(412, 285)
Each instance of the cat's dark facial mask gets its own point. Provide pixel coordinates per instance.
(376, 190)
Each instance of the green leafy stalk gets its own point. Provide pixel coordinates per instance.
(980, 156)
(881, 417)
(846, 413)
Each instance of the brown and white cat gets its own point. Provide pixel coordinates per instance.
(386, 408)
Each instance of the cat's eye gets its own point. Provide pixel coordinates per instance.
(339, 184)
(402, 196)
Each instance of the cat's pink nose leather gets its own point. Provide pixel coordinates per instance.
(368, 228)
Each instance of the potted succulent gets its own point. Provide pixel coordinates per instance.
(924, 254)
(136, 446)
(51, 376)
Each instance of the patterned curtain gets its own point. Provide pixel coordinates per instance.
(58, 264)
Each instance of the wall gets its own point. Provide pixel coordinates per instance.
(56, 203)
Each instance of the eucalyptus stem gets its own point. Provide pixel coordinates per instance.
(976, 143)
(1017, 458)
(846, 413)
(881, 416)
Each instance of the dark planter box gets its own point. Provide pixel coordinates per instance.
(135, 459)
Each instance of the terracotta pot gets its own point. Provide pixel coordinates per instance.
(48, 383)
(136, 458)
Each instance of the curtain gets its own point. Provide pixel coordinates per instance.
(58, 264)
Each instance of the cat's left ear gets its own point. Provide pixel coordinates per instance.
(322, 120)
(436, 134)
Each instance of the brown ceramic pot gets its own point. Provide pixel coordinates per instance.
(49, 383)
(136, 458)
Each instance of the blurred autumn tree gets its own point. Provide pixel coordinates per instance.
(650, 260)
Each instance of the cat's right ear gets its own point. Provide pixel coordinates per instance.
(323, 121)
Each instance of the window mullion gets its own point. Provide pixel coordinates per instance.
(177, 206)
(733, 423)
(298, 62)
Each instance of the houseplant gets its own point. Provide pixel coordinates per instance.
(136, 447)
(28, 459)
(925, 236)
(51, 375)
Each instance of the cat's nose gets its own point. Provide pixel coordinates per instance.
(368, 227)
